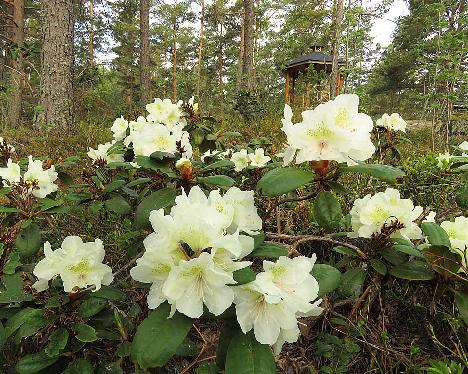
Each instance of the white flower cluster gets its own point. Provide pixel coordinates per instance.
(192, 255)
(174, 261)
(271, 304)
(44, 179)
(457, 232)
(161, 131)
(9, 147)
(333, 131)
(241, 159)
(392, 122)
(77, 263)
(464, 146)
(371, 213)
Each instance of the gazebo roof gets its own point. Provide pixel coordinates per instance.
(312, 58)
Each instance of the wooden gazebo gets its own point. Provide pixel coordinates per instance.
(320, 61)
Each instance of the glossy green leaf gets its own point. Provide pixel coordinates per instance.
(283, 180)
(436, 235)
(28, 241)
(327, 210)
(412, 270)
(85, 333)
(57, 342)
(328, 278)
(159, 199)
(385, 173)
(351, 282)
(79, 366)
(91, 306)
(158, 337)
(217, 180)
(33, 363)
(118, 204)
(269, 250)
(378, 266)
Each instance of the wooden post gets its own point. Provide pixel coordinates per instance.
(307, 92)
(286, 88)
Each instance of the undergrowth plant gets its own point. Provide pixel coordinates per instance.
(206, 256)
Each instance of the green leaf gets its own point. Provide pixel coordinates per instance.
(34, 363)
(378, 266)
(246, 355)
(351, 282)
(110, 368)
(436, 235)
(2, 336)
(206, 368)
(13, 289)
(217, 180)
(442, 260)
(152, 164)
(156, 200)
(28, 241)
(32, 325)
(187, 349)
(394, 257)
(383, 172)
(327, 210)
(244, 275)
(158, 155)
(221, 164)
(57, 342)
(138, 181)
(269, 250)
(12, 263)
(408, 249)
(462, 198)
(461, 300)
(7, 209)
(283, 180)
(24, 316)
(85, 333)
(110, 293)
(328, 278)
(345, 251)
(91, 306)
(79, 366)
(229, 330)
(46, 204)
(118, 204)
(158, 337)
(115, 185)
(79, 197)
(412, 270)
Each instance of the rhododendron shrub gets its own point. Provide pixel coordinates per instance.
(202, 242)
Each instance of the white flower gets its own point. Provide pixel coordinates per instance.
(11, 174)
(245, 216)
(430, 217)
(154, 137)
(464, 146)
(291, 279)
(165, 112)
(78, 264)
(392, 122)
(371, 213)
(457, 232)
(444, 160)
(241, 160)
(266, 314)
(119, 128)
(101, 153)
(258, 158)
(196, 282)
(332, 131)
(44, 178)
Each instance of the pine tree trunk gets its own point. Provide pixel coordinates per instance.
(57, 63)
(338, 19)
(249, 40)
(17, 71)
(91, 33)
(145, 79)
(174, 61)
(240, 63)
(200, 47)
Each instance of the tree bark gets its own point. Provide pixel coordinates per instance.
(338, 20)
(91, 33)
(249, 45)
(200, 46)
(240, 63)
(145, 79)
(57, 63)
(17, 71)
(174, 61)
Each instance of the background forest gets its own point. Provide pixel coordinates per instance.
(230, 55)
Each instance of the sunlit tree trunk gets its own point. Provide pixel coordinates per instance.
(249, 40)
(200, 47)
(174, 61)
(338, 20)
(240, 62)
(16, 71)
(91, 33)
(145, 80)
(57, 62)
